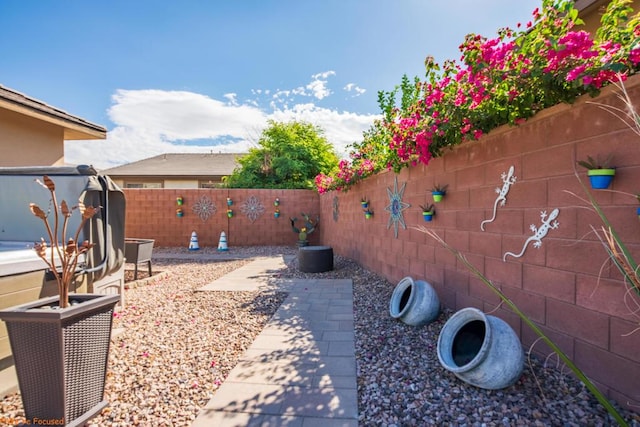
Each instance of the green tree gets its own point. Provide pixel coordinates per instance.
(289, 155)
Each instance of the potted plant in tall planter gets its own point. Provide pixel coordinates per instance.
(60, 344)
(600, 173)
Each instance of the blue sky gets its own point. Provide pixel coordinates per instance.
(202, 75)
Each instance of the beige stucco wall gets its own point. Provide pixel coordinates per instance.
(25, 141)
(593, 12)
(172, 184)
(180, 184)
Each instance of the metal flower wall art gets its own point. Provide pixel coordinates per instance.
(508, 179)
(252, 208)
(204, 208)
(548, 223)
(395, 207)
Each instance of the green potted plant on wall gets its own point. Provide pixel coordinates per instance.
(427, 212)
(60, 344)
(438, 192)
(599, 171)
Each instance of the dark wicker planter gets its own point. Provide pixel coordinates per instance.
(61, 356)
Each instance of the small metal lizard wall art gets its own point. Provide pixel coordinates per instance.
(538, 232)
(507, 180)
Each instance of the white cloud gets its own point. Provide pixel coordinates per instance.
(318, 86)
(323, 75)
(341, 128)
(152, 122)
(352, 87)
(232, 97)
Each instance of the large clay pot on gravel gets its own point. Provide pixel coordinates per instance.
(480, 349)
(414, 302)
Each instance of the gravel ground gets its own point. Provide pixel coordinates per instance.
(179, 346)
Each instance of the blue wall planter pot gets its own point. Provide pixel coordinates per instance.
(600, 178)
(415, 303)
(427, 217)
(480, 349)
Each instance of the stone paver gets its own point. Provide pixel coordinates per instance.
(301, 369)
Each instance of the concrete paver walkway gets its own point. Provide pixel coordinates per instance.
(301, 369)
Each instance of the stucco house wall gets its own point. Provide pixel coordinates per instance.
(32, 133)
(25, 140)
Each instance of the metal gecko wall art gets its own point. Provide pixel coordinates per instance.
(538, 232)
(508, 179)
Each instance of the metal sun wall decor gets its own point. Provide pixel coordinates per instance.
(252, 208)
(335, 208)
(538, 232)
(395, 207)
(508, 179)
(204, 208)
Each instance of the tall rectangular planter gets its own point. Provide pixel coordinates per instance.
(137, 251)
(61, 356)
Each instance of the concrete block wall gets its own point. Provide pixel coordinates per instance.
(567, 286)
(151, 213)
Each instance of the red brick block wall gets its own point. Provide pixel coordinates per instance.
(151, 214)
(567, 286)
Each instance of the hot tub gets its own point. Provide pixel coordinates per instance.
(24, 277)
(18, 258)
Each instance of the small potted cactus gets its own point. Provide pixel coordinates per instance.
(427, 212)
(438, 192)
(304, 231)
(599, 171)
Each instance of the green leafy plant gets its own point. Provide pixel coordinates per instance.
(287, 155)
(62, 255)
(428, 208)
(596, 163)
